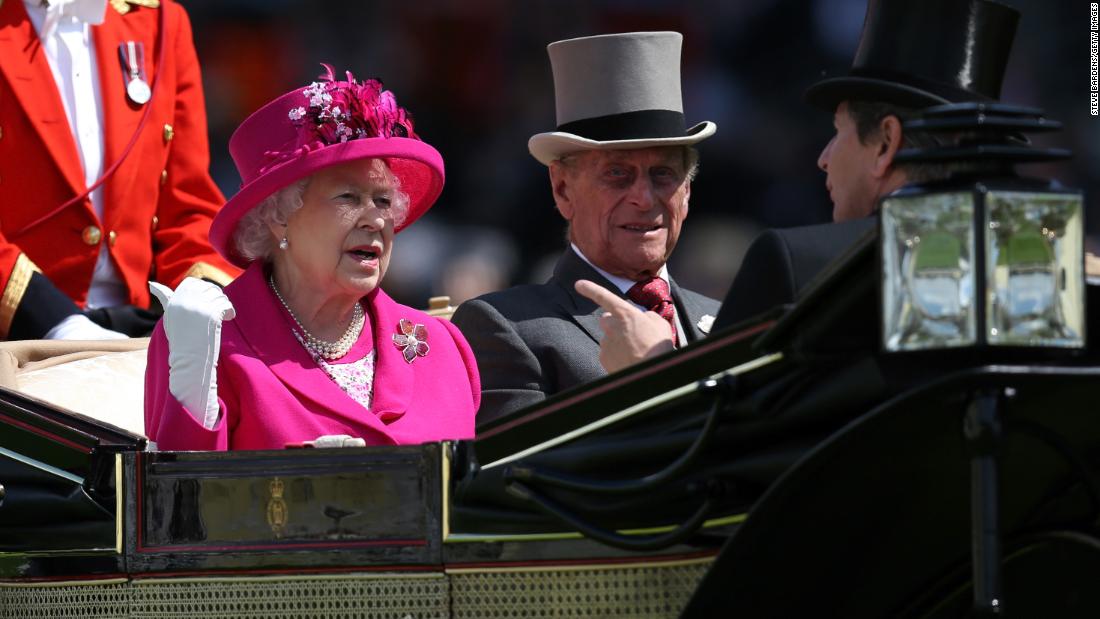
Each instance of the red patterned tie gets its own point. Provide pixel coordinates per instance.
(653, 294)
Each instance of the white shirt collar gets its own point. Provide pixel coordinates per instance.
(46, 17)
(622, 283)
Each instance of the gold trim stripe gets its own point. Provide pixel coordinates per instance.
(602, 567)
(13, 293)
(63, 583)
(466, 538)
(647, 405)
(119, 493)
(203, 270)
(138, 581)
(445, 475)
(160, 580)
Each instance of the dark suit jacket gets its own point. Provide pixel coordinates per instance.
(780, 263)
(536, 340)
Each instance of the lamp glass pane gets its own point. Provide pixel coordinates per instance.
(928, 271)
(1034, 269)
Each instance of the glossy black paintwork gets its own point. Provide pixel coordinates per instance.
(340, 507)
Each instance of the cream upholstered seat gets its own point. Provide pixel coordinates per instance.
(104, 380)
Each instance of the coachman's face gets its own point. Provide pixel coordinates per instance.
(848, 164)
(624, 207)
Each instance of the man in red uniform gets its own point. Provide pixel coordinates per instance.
(107, 98)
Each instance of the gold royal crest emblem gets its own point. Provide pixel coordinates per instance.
(277, 512)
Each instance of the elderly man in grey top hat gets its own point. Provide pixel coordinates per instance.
(621, 164)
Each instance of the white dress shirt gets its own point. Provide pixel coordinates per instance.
(64, 27)
(624, 284)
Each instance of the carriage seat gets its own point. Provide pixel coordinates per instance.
(104, 380)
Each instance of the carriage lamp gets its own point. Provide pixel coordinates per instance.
(985, 258)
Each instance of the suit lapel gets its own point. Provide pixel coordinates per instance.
(23, 62)
(688, 310)
(584, 312)
(264, 327)
(590, 322)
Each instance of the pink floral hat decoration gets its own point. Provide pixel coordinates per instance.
(327, 123)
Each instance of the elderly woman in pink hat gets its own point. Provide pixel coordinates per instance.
(305, 348)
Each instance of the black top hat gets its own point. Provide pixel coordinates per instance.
(918, 53)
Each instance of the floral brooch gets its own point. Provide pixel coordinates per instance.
(411, 339)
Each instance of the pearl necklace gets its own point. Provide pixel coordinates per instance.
(317, 346)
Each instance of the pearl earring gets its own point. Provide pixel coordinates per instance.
(283, 243)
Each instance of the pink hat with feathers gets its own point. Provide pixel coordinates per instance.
(326, 123)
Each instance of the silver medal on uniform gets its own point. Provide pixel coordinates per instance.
(133, 57)
(138, 90)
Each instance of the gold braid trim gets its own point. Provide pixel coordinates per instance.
(202, 270)
(14, 291)
(123, 6)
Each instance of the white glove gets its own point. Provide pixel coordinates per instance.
(193, 318)
(336, 440)
(80, 327)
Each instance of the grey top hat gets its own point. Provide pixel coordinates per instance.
(617, 91)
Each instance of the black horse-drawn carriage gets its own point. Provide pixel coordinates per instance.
(918, 436)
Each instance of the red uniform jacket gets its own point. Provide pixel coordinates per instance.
(158, 204)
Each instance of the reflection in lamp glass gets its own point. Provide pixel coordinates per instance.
(928, 244)
(1035, 290)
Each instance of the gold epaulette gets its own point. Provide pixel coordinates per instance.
(18, 279)
(210, 272)
(123, 6)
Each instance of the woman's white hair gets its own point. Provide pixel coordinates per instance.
(254, 239)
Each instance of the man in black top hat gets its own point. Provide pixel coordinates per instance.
(912, 54)
(621, 164)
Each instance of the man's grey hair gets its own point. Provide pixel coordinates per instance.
(254, 239)
(868, 115)
(690, 160)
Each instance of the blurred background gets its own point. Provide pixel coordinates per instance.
(476, 77)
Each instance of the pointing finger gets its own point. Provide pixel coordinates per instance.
(603, 297)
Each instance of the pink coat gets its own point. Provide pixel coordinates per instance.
(272, 394)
